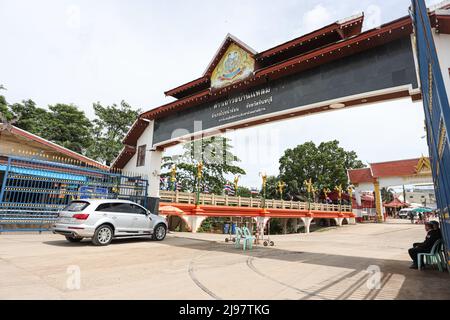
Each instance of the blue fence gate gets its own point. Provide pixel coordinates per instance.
(437, 112)
(33, 191)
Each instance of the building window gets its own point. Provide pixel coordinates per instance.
(141, 156)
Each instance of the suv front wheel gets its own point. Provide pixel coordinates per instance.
(159, 233)
(103, 235)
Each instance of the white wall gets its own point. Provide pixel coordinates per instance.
(152, 168)
(420, 197)
(400, 181)
(443, 49)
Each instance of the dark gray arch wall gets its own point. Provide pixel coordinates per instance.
(384, 67)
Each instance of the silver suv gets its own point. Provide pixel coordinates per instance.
(103, 220)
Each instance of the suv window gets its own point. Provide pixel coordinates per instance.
(104, 207)
(121, 207)
(138, 209)
(76, 206)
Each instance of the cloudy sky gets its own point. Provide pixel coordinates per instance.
(107, 50)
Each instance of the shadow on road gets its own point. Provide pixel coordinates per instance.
(87, 242)
(426, 284)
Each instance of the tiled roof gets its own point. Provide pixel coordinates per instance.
(400, 168)
(394, 168)
(69, 153)
(358, 176)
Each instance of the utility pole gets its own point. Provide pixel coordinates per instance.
(199, 179)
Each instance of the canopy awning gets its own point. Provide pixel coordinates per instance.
(396, 203)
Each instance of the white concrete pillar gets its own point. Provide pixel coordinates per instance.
(261, 223)
(155, 159)
(339, 221)
(194, 222)
(307, 222)
(358, 197)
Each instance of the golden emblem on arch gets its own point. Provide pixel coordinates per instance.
(235, 65)
(424, 165)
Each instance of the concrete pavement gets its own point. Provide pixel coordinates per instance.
(334, 264)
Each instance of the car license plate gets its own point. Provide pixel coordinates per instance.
(65, 220)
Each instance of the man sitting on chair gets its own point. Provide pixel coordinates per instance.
(433, 235)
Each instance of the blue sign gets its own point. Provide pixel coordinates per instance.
(89, 192)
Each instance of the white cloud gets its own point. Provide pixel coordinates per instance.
(316, 18)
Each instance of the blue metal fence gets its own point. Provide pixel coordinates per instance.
(33, 191)
(437, 112)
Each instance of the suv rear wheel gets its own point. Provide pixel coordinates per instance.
(159, 233)
(103, 235)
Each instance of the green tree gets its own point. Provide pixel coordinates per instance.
(63, 124)
(69, 127)
(218, 162)
(271, 188)
(387, 195)
(109, 128)
(326, 165)
(244, 192)
(5, 113)
(31, 118)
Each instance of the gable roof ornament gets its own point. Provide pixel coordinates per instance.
(424, 165)
(229, 39)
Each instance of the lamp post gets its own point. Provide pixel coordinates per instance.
(199, 179)
(173, 177)
(264, 183)
(339, 190)
(350, 193)
(326, 192)
(281, 186)
(313, 192)
(236, 185)
(309, 185)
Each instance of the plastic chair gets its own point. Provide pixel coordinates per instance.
(434, 257)
(239, 236)
(248, 238)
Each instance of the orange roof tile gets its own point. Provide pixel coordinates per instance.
(358, 176)
(394, 168)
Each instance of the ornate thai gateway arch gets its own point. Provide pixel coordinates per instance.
(337, 66)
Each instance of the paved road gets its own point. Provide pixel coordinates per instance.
(323, 265)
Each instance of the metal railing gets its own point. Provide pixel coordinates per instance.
(215, 200)
(33, 191)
